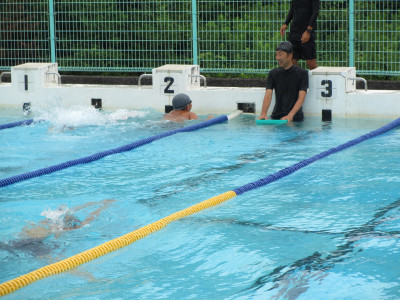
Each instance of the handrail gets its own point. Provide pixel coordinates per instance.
(55, 73)
(360, 79)
(4, 73)
(202, 77)
(143, 75)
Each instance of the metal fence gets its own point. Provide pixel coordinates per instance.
(221, 36)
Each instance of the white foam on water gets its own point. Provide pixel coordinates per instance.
(78, 116)
(56, 216)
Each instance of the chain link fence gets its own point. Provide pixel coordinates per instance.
(221, 36)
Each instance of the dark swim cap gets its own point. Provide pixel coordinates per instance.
(285, 46)
(180, 101)
(71, 222)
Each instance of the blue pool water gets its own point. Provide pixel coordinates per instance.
(328, 231)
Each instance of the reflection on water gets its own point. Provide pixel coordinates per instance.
(292, 280)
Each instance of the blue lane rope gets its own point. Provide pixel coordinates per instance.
(15, 124)
(100, 155)
(289, 170)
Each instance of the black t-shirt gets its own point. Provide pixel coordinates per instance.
(302, 13)
(287, 84)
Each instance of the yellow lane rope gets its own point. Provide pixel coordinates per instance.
(115, 244)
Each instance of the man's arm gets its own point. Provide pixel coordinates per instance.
(287, 21)
(296, 107)
(290, 14)
(266, 104)
(312, 22)
(104, 204)
(314, 15)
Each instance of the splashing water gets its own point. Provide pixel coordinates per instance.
(78, 116)
(56, 216)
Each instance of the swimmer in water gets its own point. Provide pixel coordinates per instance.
(182, 105)
(33, 237)
(68, 222)
(62, 128)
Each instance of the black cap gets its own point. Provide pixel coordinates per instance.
(285, 46)
(180, 101)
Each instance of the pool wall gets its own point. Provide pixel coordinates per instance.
(330, 88)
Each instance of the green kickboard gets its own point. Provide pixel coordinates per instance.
(270, 122)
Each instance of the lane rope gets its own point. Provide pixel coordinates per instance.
(88, 159)
(117, 243)
(105, 248)
(289, 170)
(15, 124)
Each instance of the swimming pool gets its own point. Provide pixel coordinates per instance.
(330, 230)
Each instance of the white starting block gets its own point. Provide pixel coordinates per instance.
(329, 88)
(333, 82)
(32, 77)
(174, 79)
(170, 80)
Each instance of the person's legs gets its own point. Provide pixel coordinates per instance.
(309, 53)
(306, 51)
(296, 48)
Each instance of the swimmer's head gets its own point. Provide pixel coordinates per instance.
(71, 222)
(181, 101)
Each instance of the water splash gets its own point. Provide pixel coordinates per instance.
(80, 115)
(56, 217)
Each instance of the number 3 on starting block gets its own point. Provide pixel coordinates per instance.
(326, 89)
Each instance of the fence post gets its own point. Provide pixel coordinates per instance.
(194, 31)
(351, 33)
(52, 32)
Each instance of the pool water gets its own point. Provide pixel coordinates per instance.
(330, 230)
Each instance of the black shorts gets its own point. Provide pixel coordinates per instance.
(303, 51)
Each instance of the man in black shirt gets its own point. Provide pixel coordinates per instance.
(303, 15)
(290, 83)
